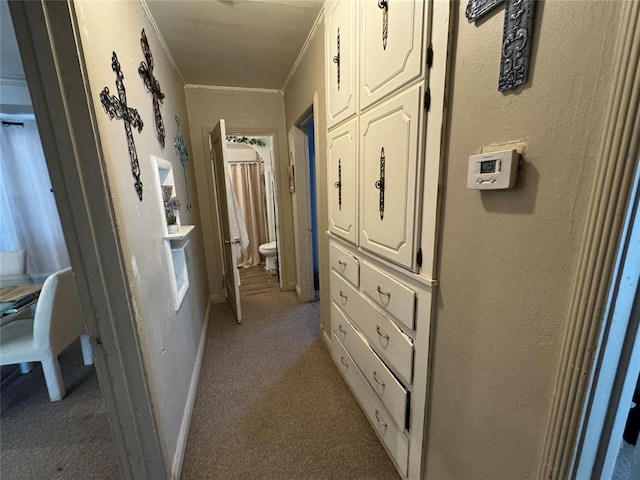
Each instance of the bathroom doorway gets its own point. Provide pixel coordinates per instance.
(252, 176)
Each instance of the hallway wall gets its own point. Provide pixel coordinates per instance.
(169, 339)
(507, 258)
(245, 112)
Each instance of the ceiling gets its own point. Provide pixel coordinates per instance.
(231, 43)
(235, 43)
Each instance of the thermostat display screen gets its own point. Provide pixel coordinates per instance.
(488, 166)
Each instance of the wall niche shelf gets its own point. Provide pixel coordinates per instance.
(175, 243)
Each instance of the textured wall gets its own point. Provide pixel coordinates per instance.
(245, 112)
(309, 78)
(169, 338)
(507, 258)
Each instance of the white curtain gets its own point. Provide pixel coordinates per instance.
(30, 218)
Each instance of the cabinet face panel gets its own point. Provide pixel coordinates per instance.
(343, 199)
(340, 48)
(390, 156)
(391, 47)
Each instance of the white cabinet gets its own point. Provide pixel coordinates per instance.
(393, 46)
(342, 145)
(340, 48)
(390, 157)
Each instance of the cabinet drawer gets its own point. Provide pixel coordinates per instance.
(344, 263)
(392, 436)
(386, 339)
(389, 294)
(386, 386)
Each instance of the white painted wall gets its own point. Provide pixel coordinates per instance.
(169, 339)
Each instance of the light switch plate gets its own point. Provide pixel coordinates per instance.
(493, 171)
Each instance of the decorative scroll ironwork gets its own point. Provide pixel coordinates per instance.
(336, 59)
(516, 39)
(516, 44)
(380, 183)
(181, 150)
(153, 86)
(338, 184)
(384, 5)
(116, 107)
(477, 9)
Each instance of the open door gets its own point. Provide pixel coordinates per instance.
(231, 242)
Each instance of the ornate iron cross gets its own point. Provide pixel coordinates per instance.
(116, 107)
(153, 86)
(516, 39)
(181, 150)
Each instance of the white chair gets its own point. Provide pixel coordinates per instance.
(58, 321)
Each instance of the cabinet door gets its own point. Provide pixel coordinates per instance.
(340, 48)
(391, 46)
(342, 146)
(390, 156)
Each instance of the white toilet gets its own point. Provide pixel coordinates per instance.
(269, 251)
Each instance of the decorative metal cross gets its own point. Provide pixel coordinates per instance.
(516, 39)
(116, 107)
(153, 86)
(181, 150)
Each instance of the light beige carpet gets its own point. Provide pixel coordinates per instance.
(271, 404)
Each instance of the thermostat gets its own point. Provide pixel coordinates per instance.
(493, 171)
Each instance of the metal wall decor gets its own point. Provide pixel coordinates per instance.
(336, 59)
(181, 150)
(380, 183)
(116, 107)
(384, 5)
(516, 39)
(338, 184)
(153, 86)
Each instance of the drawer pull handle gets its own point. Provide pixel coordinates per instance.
(379, 382)
(384, 5)
(343, 362)
(343, 295)
(383, 335)
(336, 58)
(343, 265)
(378, 419)
(342, 329)
(382, 292)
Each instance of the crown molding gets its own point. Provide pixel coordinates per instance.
(238, 89)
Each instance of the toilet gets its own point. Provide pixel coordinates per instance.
(269, 251)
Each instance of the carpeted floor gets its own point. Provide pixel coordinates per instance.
(271, 405)
(69, 439)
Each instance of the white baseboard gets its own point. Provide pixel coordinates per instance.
(178, 458)
(326, 340)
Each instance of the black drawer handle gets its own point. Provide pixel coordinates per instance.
(383, 335)
(342, 330)
(378, 419)
(379, 382)
(343, 295)
(382, 292)
(343, 362)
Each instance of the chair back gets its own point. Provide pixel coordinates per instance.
(58, 319)
(13, 262)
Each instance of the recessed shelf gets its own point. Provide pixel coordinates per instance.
(184, 231)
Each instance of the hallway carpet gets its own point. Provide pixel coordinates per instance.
(271, 404)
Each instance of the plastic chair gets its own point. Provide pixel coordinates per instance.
(57, 322)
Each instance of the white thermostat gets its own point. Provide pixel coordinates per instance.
(493, 171)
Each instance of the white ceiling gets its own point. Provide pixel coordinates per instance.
(235, 43)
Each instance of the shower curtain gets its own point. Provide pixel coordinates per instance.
(247, 179)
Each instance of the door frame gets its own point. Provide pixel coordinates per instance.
(299, 159)
(56, 75)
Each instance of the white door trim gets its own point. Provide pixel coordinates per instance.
(55, 70)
